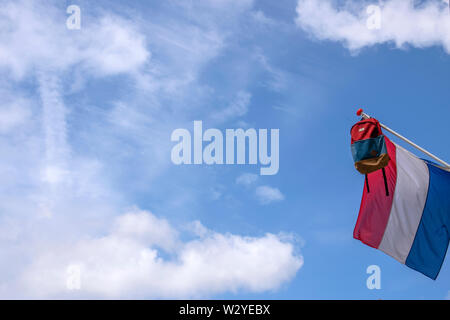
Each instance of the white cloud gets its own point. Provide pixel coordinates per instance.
(127, 263)
(114, 46)
(402, 23)
(34, 37)
(247, 179)
(146, 228)
(266, 194)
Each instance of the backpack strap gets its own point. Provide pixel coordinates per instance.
(367, 183)
(385, 183)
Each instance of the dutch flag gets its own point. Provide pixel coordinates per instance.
(412, 223)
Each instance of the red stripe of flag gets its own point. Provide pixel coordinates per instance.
(375, 205)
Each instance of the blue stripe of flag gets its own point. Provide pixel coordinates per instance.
(430, 244)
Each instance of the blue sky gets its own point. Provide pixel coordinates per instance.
(87, 179)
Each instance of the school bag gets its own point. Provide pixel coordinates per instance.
(368, 147)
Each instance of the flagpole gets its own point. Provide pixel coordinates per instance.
(366, 116)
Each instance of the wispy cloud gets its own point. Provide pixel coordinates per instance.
(264, 194)
(237, 108)
(403, 23)
(247, 179)
(261, 18)
(267, 194)
(278, 78)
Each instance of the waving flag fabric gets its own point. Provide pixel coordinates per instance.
(411, 224)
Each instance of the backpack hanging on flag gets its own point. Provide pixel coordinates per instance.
(411, 223)
(369, 148)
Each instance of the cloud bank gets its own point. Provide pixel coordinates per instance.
(403, 23)
(127, 262)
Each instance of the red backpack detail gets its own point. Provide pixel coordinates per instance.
(369, 148)
(365, 129)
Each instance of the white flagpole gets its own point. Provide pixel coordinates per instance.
(366, 116)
